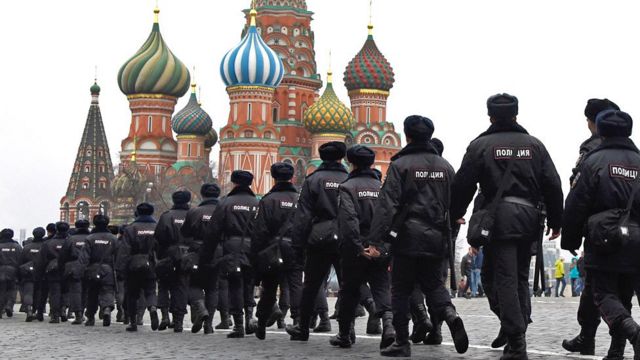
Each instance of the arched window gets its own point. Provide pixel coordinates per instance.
(229, 135)
(104, 208)
(248, 134)
(274, 114)
(150, 124)
(249, 111)
(268, 135)
(82, 210)
(368, 115)
(188, 149)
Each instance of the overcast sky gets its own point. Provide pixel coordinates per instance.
(448, 56)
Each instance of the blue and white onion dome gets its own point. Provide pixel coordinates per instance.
(252, 62)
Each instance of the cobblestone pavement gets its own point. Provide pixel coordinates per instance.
(554, 320)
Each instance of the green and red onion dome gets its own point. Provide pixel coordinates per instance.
(192, 119)
(369, 69)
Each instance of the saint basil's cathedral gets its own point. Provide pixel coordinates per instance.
(276, 114)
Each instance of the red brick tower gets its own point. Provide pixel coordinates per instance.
(369, 78)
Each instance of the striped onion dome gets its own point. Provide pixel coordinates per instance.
(192, 120)
(211, 139)
(154, 69)
(252, 62)
(369, 69)
(329, 114)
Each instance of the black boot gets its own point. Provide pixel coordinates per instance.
(91, 321)
(106, 317)
(261, 329)
(238, 328)
(458, 333)
(178, 323)
(140, 317)
(29, 311)
(250, 324)
(631, 330)
(373, 322)
(55, 318)
(63, 314)
(324, 325)
(9, 313)
(208, 325)
(40, 315)
(276, 314)
(360, 311)
(201, 315)
(133, 324)
(119, 314)
(421, 324)
(224, 321)
(516, 348)
(314, 320)
(616, 349)
(78, 318)
(153, 314)
(341, 340)
(298, 332)
(164, 323)
(397, 349)
(500, 340)
(125, 319)
(435, 336)
(388, 332)
(585, 345)
(280, 322)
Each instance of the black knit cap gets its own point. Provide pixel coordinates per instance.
(437, 143)
(51, 227)
(62, 227)
(418, 128)
(6, 234)
(210, 191)
(181, 197)
(82, 224)
(361, 156)
(145, 209)
(596, 106)
(332, 151)
(39, 232)
(101, 221)
(242, 178)
(614, 123)
(502, 107)
(282, 171)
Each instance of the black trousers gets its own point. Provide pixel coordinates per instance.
(588, 313)
(203, 285)
(74, 295)
(134, 285)
(223, 293)
(99, 294)
(505, 277)
(321, 304)
(55, 297)
(173, 293)
(612, 293)
(31, 294)
(241, 286)
(405, 273)
(164, 300)
(316, 271)
(357, 271)
(290, 292)
(7, 289)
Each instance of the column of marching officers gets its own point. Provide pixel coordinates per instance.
(389, 243)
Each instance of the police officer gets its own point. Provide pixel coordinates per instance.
(412, 215)
(607, 180)
(72, 266)
(172, 246)
(230, 225)
(53, 273)
(10, 252)
(31, 276)
(532, 180)
(99, 254)
(588, 315)
(136, 260)
(314, 231)
(271, 245)
(358, 197)
(203, 283)
(51, 231)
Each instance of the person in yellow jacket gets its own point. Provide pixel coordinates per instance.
(560, 276)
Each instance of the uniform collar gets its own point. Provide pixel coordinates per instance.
(499, 127)
(415, 148)
(241, 190)
(180, 207)
(331, 166)
(209, 201)
(363, 173)
(283, 186)
(98, 230)
(145, 219)
(617, 143)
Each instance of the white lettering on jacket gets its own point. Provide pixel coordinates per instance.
(178, 221)
(503, 152)
(331, 185)
(624, 172)
(429, 175)
(102, 242)
(287, 204)
(34, 250)
(206, 217)
(368, 194)
(246, 208)
(145, 232)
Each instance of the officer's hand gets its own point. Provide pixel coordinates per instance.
(461, 221)
(373, 251)
(555, 233)
(365, 253)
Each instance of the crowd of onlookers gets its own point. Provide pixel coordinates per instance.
(576, 276)
(470, 271)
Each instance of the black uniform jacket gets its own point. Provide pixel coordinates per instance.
(357, 202)
(196, 221)
(230, 225)
(586, 147)
(420, 179)
(318, 206)
(49, 256)
(274, 222)
(168, 233)
(71, 258)
(533, 178)
(138, 239)
(605, 181)
(31, 256)
(10, 252)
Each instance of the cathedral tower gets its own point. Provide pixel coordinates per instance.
(89, 190)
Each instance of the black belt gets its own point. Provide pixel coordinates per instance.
(519, 201)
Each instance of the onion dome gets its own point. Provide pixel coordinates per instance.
(192, 120)
(95, 89)
(329, 114)
(252, 62)
(296, 4)
(211, 139)
(154, 69)
(369, 69)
